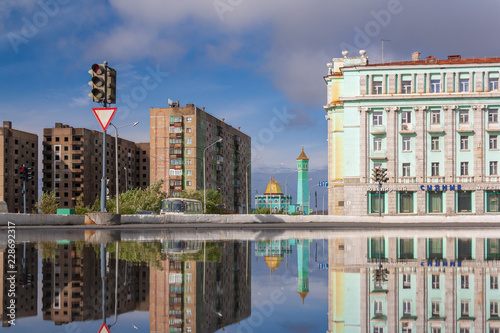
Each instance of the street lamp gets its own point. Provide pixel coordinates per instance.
(246, 181)
(286, 188)
(309, 203)
(116, 161)
(204, 176)
(126, 178)
(271, 188)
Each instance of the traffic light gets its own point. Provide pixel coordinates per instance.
(376, 173)
(111, 83)
(98, 82)
(383, 176)
(29, 173)
(22, 171)
(384, 273)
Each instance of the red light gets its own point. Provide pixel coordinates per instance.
(97, 69)
(22, 168)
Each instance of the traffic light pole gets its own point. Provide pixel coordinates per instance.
(24, 195)
(103, 180)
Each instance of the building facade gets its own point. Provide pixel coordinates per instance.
(433, 124)
(18, 148)
(183, 139)
(274, 199)
(72, 164)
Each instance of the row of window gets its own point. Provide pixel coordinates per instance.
(462, 83)
(435, 202)
(435, 117)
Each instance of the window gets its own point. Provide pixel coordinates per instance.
(188, 119)
(494, 168)
(464, 249)
(406, 281)
(406, 202)
(493, 116)
(435, 86)
(464, 85)
(435, 143)
(464, 330)
(493, 282)
(435, 308)
(188, 141)
(406, 117)
(494, 330)
(435, 169)
(377, 307)
(493, 141)
(378, 330)
(189, 130)
(464, 168)
(406, 86)
(435, 281)
(464, 281)
(377, 247)
(406, 143)
(436, 330)
(464, 309)
(464, 142)
(188, 151)
(492, 202)
(406, 308)
(464, 202)
(406, 169)
(435, 202)
(406, 248)
(463, 116)
(435, 117)
(377, 87)
(406, 329)
(377, 118)
(189, 183)
(493, 84)
(189, 172)
(494, 308)
(189, 162)
(376, 202)
(377, 144)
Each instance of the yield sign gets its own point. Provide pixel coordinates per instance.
(104, 116)
(104, 329)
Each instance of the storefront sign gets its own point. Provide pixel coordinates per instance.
(443, 263)
(457, 187)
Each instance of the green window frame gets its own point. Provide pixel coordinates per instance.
(435, 202)
(464, 201)
(492, 202)
(492, 249)
(435, 248)
(374, 202)
(406, 202)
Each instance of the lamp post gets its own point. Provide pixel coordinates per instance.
(271, 188)
(286, 189)
(204, 175)
(309, 205)
(246, 181)
(126, 178)
(116, 161)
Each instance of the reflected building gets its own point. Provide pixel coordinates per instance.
(273, 252)
(72, 284)
(303, 268)
(189, 294)
(25, 294)
(433, 285)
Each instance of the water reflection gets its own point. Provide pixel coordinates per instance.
(436, 281)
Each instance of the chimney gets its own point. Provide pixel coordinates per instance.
(455, 57)
(415, 56)
(223, 119)
(239, 128)
(203, 108)
(7, 124)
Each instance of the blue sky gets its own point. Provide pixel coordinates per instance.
(244, 60)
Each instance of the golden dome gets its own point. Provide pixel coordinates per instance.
(303, 295)
(273, 262)
(273, 187)
(303, 155)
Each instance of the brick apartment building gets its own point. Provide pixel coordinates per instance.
(72, 164)
(18, 148)
(181, 136)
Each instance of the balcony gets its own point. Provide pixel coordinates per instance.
(407, 180)
(407, 128)
(436, 128)
(175, 135)
(378, 154)
(378, 129)
(492, 179)
(465, 179)
(465, 127)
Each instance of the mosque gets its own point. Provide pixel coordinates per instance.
(278, 202)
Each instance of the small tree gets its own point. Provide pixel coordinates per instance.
(47, 203)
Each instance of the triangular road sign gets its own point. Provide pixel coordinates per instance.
(104, 116)
(104, 329)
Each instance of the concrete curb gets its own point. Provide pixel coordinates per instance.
(65, 220)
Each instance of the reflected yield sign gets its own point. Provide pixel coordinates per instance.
(104, 116)
(104, 329)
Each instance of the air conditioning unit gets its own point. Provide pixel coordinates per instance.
(405, 127)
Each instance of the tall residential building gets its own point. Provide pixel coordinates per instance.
(182, 139)
(18, 148)
(72, 164)
(433, 124)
